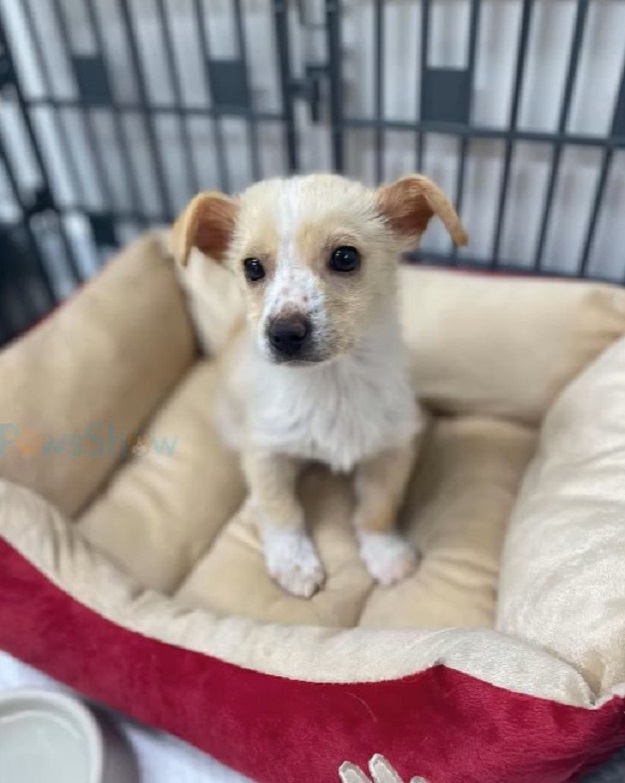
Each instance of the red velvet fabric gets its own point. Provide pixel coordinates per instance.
(444, 725)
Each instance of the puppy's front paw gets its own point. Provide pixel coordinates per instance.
(292, 561)
(389, 558)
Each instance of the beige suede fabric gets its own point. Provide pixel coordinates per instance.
(503, 346)
(79, 385)
(456, 514)
(165, 505)
(160, 540)
(563, 571)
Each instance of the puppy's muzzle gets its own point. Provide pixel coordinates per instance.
(289, 336)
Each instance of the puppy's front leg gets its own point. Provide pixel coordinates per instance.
(289, 552)
(380, 484)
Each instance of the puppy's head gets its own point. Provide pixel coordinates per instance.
(317, 255)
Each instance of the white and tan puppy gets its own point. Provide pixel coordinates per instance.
(316, 370)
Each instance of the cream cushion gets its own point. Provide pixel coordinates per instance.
(86, 379)
(563, 570)
(503, 346)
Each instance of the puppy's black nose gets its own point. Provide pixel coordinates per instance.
(287, 336)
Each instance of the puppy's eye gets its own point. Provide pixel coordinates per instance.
(345, 259)
(254, 270)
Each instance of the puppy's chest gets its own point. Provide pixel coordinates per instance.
(339, 416)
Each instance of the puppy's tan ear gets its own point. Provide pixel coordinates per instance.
(207, 223)
(408, 204)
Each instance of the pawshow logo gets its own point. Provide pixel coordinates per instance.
(95, 440)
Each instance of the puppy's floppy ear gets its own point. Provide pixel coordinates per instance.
(408, 204)
(207, 222)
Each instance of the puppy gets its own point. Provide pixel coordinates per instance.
(316, 370)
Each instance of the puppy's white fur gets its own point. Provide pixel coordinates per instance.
(338, 412)
(388, 557)
(291, 560)
(351, 401)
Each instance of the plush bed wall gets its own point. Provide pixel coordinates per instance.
(139, 556)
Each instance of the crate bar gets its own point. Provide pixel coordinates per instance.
(333, 28)
(164, 108)
(578, 33)
(477, 132)
(220, 147)
(131, 180)
(123, 214)
(252, 127)
(474, 23)
(425, 34)
(603, 177)
(176, 83)
(476, 265)
(40, 159)
(521, 58)
(378, 22)
(61, 137)
(281, 28)
(36, 250)
(606, 161)
(85, 114)
(147, 113)
(485, 132)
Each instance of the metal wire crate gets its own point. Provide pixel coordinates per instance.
(114, 112)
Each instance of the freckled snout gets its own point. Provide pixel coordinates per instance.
(289, 336)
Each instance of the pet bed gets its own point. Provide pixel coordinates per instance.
(130, 570)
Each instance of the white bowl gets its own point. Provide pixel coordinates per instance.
(48, 737)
